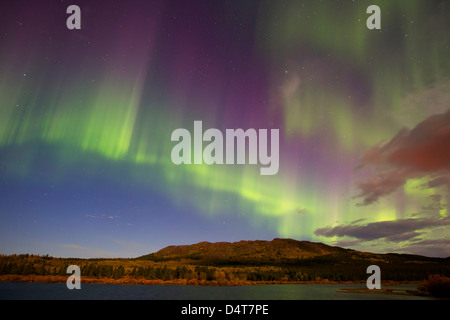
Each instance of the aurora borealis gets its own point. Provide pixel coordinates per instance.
(86, 118)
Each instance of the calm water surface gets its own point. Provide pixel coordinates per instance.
(59, 291)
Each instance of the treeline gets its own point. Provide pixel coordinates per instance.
(49, 266)
(311, 270)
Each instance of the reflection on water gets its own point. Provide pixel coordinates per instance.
(57, 291)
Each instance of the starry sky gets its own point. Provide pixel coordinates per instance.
(86, 118)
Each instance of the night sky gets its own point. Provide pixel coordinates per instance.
(86, 118)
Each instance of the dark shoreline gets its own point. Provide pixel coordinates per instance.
(142, 281)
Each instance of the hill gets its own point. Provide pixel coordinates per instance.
(275, 252)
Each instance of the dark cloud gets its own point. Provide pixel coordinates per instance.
(403, 236)
(356, 221)
(434, 242)
(396, 231)
(422, 151)
(430, 248)
(445, 180)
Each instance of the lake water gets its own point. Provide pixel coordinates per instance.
(59, 291)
